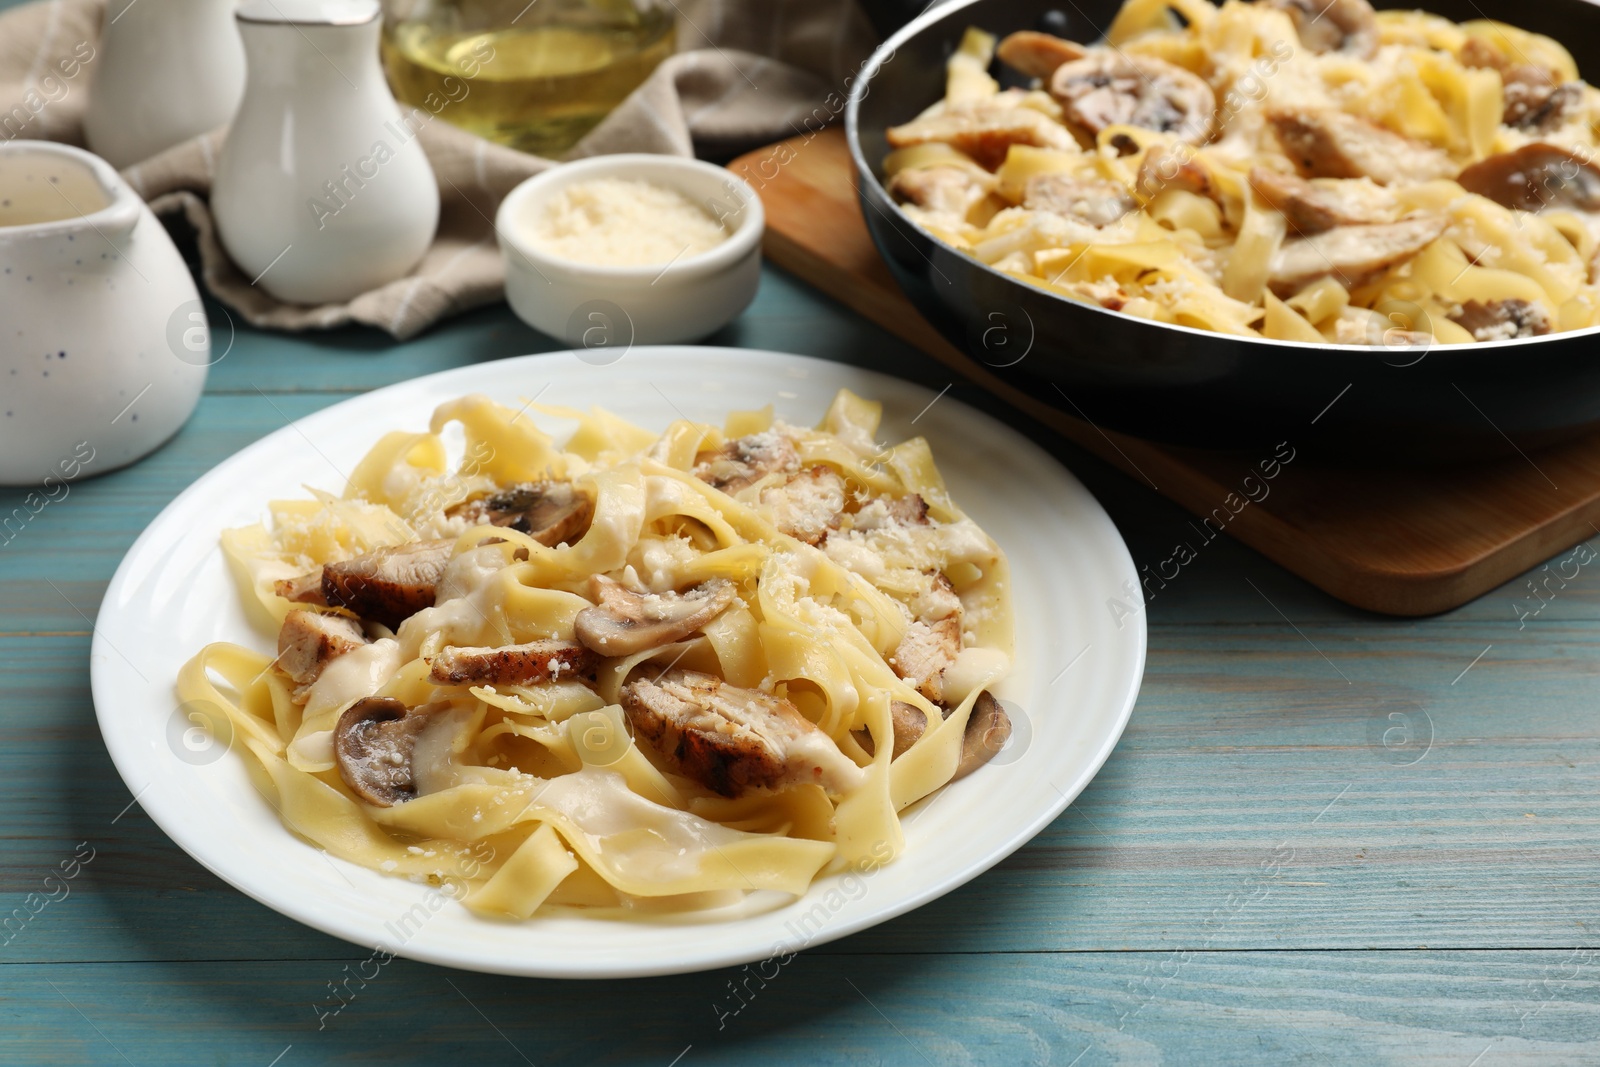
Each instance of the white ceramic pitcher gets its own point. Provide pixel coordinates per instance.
(168, 70)
(322, 191)
(103, 342)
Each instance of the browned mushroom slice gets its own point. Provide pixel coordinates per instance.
(807, 507)
(1535, 177)
(731, 740)
(949, 190)
(1352, 254)
(1093, 201)
(310, 640)
(1308, 209)
(1536, 103)
(1348, 26)
(985, 130)
(1038, 55)
(906, 721)
(1173, 167)
(988, 730)
(743, 461)
(623, 622)
(1113, 89)
(372, 746)
(526, 664)
(389, 585)
(1324, 143)
(549, 512)
(1502, 320)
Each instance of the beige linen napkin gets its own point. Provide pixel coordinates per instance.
(748, 72)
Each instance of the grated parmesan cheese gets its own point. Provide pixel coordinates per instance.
(621, 222)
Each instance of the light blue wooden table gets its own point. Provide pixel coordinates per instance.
(1325, 838)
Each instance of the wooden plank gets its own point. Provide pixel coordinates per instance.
(1389, 539)
(931, 1007)
(1470, 828)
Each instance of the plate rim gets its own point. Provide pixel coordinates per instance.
(602, 968)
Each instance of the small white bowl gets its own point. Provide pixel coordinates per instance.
(604, 307)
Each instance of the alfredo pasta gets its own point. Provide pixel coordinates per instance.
(1302, 170)
(631, 673)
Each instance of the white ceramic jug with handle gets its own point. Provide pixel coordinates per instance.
(168, 70)
(103, 340)
(322, 191)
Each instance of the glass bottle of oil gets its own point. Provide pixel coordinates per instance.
(533, 74)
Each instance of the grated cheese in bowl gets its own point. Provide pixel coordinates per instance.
(623, 222)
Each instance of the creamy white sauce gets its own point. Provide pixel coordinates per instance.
(361, 672)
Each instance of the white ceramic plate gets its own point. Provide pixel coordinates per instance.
(1076, 678)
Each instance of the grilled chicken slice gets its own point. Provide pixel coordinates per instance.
(551, 513)
(732, 740)
(1325, 143)
(909, 510)
(310, 640)
(1352, 254)
(1111, 88)
(373, 745)
(1038, 55)
(948, 189)
(908, 723)
(1347, 26)
(623, 623)
(988, 730)
(1502, 320)
(924, 653)
(743, 461)
(807, 507)
(985, 130)
(1535, 177)
(388, 585)
(526, 664)
(1173, 167)
(1089, 200)
(1309, 209)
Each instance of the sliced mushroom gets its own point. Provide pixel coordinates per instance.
(1326, 143)
(623, 622)
(1113, 89)
(373, 744)
(1502, 320)
(1038, 55)
(947, 190)
(1535, 103)
(1535, 177)
(907, 723)
(1173, 167)
(985, 130)
(743, 461)
(1308, 209)
(1352, 254)
(731, 740)
(310, 640)
(526, 664)
(551, 513)
(988, 730)
(807, 507)
(1094, 201)
(1347, 26)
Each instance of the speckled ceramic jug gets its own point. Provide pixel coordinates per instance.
(103, 342)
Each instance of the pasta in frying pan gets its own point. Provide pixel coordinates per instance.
(1300, 170)
(628, 674)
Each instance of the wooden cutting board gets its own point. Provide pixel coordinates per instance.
(1396, 541)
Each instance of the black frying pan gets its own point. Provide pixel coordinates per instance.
(1192, 387)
